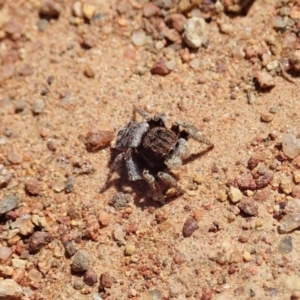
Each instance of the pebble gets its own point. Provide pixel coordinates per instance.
(285, 245)
(34, 275)
(248, 206)
(150, 9)
(38, 106)
(10, 290)
(88, 10)
(6, 271)
(59, 185)
(5, 253)
(39, 239)
(286, 185)
(81, 261)
(14, 157)
(52, 145)
(78, 284)
(24, 225)
(174, 290)
(98, 139)
(129, 249)
(119, 201)
(18, 263)
(295, 60)
(106, 280)
(266, 117)
(8, 203)
(189, 227)
(20, 105)
(42, 24)
(231, 217)
(193, 34)
(252, 163)
(152, 295)
(265, 80)
(290, 282)
(247, 256)
(103, 218)
(90, 277)
(289, 222)
(234, 194)
(88, 41)
(33, 187)
(89, 72)
(290, 145)
(296, 176)
(177, 21)
(160, 68)
(50, 9)
(77, 9)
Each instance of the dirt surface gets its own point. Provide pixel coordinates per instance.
(70, 76)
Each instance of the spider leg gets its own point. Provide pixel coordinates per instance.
(157, 193)
(133, 170)
(180, 152)
(170, 180)
(117, 166)
(157, 120)
(194, 133)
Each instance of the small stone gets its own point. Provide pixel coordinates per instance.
(259, 223)
(290, 145)
(295, 295)
(89, 72)
(14, 157)
(78, 284)
(267, 117)
(296, 176)
(88, 41)
(39, 239)
(160, 68)
(118, 234)
(18, 263)
(20, 105)
(8, 203)
(90, 277)
(33, 187)
(24, 225)
(103, 218)
(5, 253)
(231, 217)
(289, 222)
(129, 249)
(106, 280)
(81, 261)
(295, 60)
(6, 271)
(252, 163)
(98, 139)
(150, 9)
(247, 256)
(290, 282)
(189, 227)
(52, 145)
(42, 24)
(248, 206)
(38, 106)
(174, 290)
(177, 21)
(77, 9)
(88, 10)
(285, 245)
(34, 275)
(59, 185)
(234, 194)
(10, 290)
(70, 248)
(119, 201)
(286, 185)
(193, 34)
(265, 80)
(50, 9)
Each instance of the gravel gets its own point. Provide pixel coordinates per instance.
(81, 261)
(193, 34)
(10, 290)
(38, 240)
(189, 227)
(8, 203)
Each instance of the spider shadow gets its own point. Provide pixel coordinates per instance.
(195, 156)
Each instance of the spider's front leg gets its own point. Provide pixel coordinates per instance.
(157, 194)
(194, 133)
(171, 181)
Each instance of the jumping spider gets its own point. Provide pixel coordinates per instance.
(148, 150)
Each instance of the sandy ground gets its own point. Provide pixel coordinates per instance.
(54, 91)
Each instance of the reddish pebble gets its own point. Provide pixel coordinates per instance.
(177, 21)
(252, 163)
(97, 139)
(248, 206)
(90, 277)
(33, 187)
(189, 227)
(264, 181)
(150, 9)
(103, 218)
(265, 80)
(106, 280)
(39, 239)
(14, 157)
(160, 68)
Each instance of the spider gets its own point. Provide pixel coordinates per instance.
(149, 150)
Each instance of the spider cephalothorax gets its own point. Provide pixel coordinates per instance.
(148, 150)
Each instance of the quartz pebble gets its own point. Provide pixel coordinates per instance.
(290, 145)
(9, 289)
(235, 194)
(289, 222)
(5, 253)
(285, 245)
(193, 34)
(139, 38)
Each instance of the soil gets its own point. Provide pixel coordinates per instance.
(69, 82)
